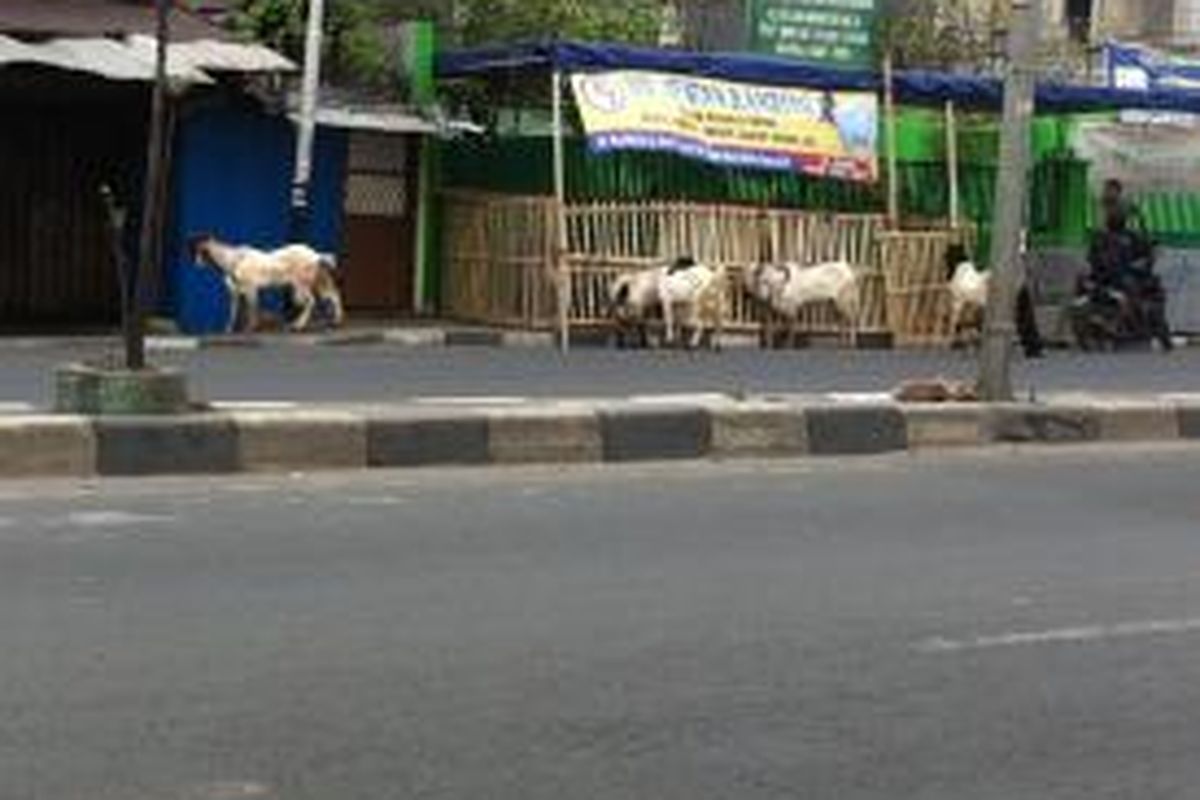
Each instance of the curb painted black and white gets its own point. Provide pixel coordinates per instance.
(229, 440)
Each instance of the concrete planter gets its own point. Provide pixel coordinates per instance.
(97, 389)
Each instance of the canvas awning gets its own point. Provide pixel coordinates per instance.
(915, 87)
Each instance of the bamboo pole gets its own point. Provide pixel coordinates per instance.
(562, 274)
(952, 165)
(889, 100)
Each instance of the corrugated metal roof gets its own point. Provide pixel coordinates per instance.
(381, 120)
(133, 59)
(98, 18)
(208, 55)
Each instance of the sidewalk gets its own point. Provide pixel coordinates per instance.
(413, 334)
(250, 437)
(399, 334)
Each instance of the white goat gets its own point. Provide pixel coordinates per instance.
(968, 292)
(786, 289)
(246, 271)
(632, 297)
(695, 294)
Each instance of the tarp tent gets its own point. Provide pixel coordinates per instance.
(912, 87)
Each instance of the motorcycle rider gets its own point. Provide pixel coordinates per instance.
(1121, 257)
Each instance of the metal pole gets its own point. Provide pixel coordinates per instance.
(305, 135)
(562, 274)
(952, 166)
(1012, 190)
(134, 324)
(889, 101)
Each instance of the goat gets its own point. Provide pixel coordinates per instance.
(632, 297)
(699, 291)
(246, 270)
(786, 289)
(969, 290)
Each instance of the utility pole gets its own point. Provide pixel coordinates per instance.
(134, 311)
(302, 178)
(1012, 197)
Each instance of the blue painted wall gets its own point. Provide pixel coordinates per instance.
(232, 178)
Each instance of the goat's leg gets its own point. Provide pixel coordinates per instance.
(332, 296)
(307, 302)
(851, 315)
(668, 311)
(235, 305)
(251, 298)
(690, 329)
(956, 310)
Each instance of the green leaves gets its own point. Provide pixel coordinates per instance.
(359, 47)
(940, 34)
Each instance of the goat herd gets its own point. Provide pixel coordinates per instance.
(692, 297)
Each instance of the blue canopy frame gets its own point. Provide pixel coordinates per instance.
(912, 87)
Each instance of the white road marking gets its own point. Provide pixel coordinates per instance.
(861, 397)
(113, 519)
(1081, 635)
(231, 790)
(669, 399)
(167, 344)
(255, 405)
(472, 401)
(375, 502)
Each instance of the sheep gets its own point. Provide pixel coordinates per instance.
(786, 289)
(632, 297)
(699, 291)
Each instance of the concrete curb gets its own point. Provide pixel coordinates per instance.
(414, 337)
(577, 432)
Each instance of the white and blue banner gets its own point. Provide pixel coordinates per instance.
(1132, 66)
(1137, 67)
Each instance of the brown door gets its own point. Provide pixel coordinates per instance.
(377, 268)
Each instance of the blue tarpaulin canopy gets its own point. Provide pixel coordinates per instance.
(913, 87)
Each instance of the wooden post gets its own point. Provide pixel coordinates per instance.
(889, 101)
(134, 310)
(561, 267)
(952, 166)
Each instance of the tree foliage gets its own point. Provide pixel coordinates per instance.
(359, 40)
(940, 34)
(635, 21)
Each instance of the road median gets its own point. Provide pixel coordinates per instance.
(407, 435)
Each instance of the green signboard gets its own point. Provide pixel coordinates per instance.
(836, 32)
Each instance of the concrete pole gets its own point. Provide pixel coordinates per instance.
(561, 268)
(1012, 192)
(306, 133)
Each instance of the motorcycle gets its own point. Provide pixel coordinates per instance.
(1125, 307)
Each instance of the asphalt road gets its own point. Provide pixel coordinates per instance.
(979, 626)
(380, 373)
